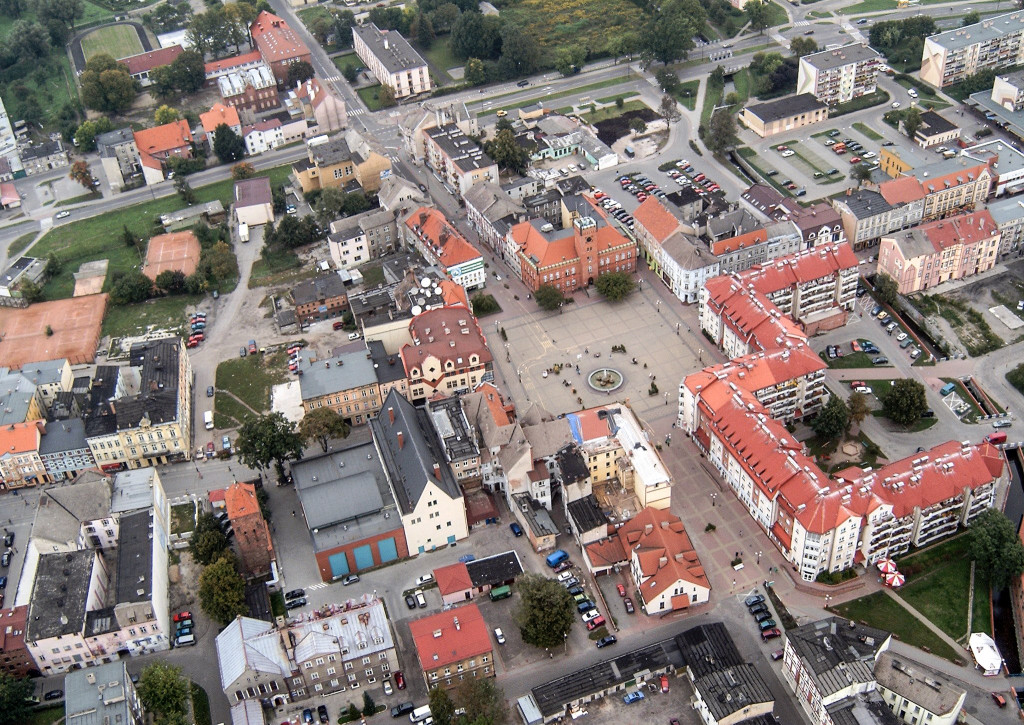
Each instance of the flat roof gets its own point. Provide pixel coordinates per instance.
(390, 48)
(494, 570)
(983, 32)
(831, 59)
(786, 107)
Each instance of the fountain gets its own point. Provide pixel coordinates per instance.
(605, 380)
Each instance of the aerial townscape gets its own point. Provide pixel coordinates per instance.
(511, 363)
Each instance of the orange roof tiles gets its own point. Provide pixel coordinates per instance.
(453, 293)
(219, 66)
(18, 438)
(164, 139)
(663, 551)
(217, 115)
(145, 62)
(499, 411)
(653, 216)
(439, 332)
(902, 190)
(275, 38)
(240, 500)
(606, 552)
(447, 244)
(800, 268)
(742, 241)
(758, 371)
(453, 578)
(471, 638)
(961, 229)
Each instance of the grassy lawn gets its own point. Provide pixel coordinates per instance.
(283, 267)
(200, 705)
(18, 245)
(750, 155)
(117, 41)
(91, 196)
(229, 413)
(551, 96)
(163, 313)
(46, 716)
(250, 378)
(349, 60)
(96, 238)
(776, 15)
(590, 24)
(981, 619)
(373, 275)
(603, 114)
(371, 96)
(878, 610)
(859, 104)
(277, 604)
(183, 518)
(867, 131)
(440, 54)
(868, 6)
(613, 99)
(687, 94)
(712, 97)
(850, 360)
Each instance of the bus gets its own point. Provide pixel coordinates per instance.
(499, 593)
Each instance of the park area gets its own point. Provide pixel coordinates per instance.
(243, 387)
(117, 41)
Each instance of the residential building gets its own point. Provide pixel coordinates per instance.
(218, 115)
(50, 378)
(943, 188)
(727, 688)
(10, 163)
(867, 216)
(829, 663)
(1008, 215)
(784, 114)
(321, 298)
(916, 692)
(9, 196)
(430, 233)
(39, 158)
(15, 658)
(252, 534)
(102, 695)
(73, 517)
(671, 250)
(458, 439)
(174, 252)
(429, 499)
(279, 45)
(20, 464)
(840, 75)
(948, 249)
(993, 43)
(119, 156)
(453, 646)
(254, 201)
(346, 384)
(323, 111)
(935, 130)
(357, 239)
(491, 211)
(249, 91)
(392, 60)
(141, 65)
(341, 163)
(234, 64)
(448, 354)
(457, 159)
(63, 449)
(263, 136)
(1006, 163)
(819, 224)
(156, 145)
(253, 662)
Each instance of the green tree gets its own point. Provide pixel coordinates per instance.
(80, 172)
(344, 20)
(570, 60)
(243, 170)
(721, 134)
(505, 152)
(858, 407)
(188, 70)
(548, 297)
(299, 72)
(905, 402)
(14, 694)
(545, 611)
(33, 39)
(670, 109)
(85, 135)
(758, 14)
(369, 706)
(669, 32)
(270, 438)
(637, 125)
(996, 549)
(476, 36)
(386, 97)
(171, 281)
(207, 546)
(30, 291)
(520, 54)
(227, 145)
(971, 18)
(222, 590)
(106, 85)
(66, 11)
(165, 114)
(442, 709)
(422, 30)
(163, 690)
(886, 289)
(321, 27)
(131, 288)
(667, 79)
(800, 46)
(218, 262)
(444, 16)
(861, 173)
(353, 711)
(484, 304)
(833, 420)
(912, 121)
(474, 72)
(483, 701)
(184, 189)
(323, 425)
(615, 286)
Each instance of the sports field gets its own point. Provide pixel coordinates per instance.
(117, 41)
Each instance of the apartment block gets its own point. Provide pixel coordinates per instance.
(458, 439)
(354, 240)
(456, 158)
(916, 693)
(867, 216)
(346, 384)
(428, 231)
(453, 646)
(392, 60)
(1008, 215)
(944, 188)
(840, 75)
(448, 354)
(277, 43)
(993, 43)
(119, 156)
(252, 90)
(15, 658)
(346, 162)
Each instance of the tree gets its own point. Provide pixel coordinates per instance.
(33, 39)
(971, 18)
(721, 133)
(800, 46)
(548, 297)
(171, 281)
(353, 711)
(886, 289)
(668, 80)
(222, 590)
(996, 549)
(207, 546)
(474, 73)
(343, 22)
(12, 8)
(80, 172)
(615, 286)
(520, 54)
(66, 11)
(505, 152)
(905, 402)
(569, 61)
(422, 30)
(184, 189)
(86, 133)
(858, 407)
(299, 72)
(442, 709)
(861, 173)
(14, 694)
(758, 14)
(670, 109)
(163, 689)
(132, 287)
(106, 85)
(832, 420)
(30, 291)
(444, 16)
(188, 70)
(386, 97)
(545, 611)
(218, 262)
(321, 27)
(227, 144)
(483, 701)
(484, 304)
(244, 170)
(269, 438)
(669, 32)
(912, 121)
(322, 425)
(476, 36)
(165, 114)
(369, 706)
(637, 125)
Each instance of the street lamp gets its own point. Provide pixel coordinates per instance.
(565, 643)
(828, 598)
(713, 497)
(758, 558)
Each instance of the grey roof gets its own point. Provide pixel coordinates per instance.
(728, 690)
(42, 150)
(1009, 158)
(253, 192)
(1012, 121)
(390, 48)
(59, 594)
(250, 645)
(871, 710)
(732, 224)
(933, 124)
(987, 30)
(45, 372)
(323, 287)
(62, 509)
(571, 464)
(786, 107)
(586, 513)
(494, 570)
(345, 372)
(931, 689)
(388, 368)
(547, 437)
(837, 650)
(61, 436)
(133, 490)
(687, 251)
(452, 427)
(157, 361)
(830, 59)
(134, 558)
(460, 148)
(16, 393)
(332, 151)
(492, 201)
(100, 695)
(419, 457)
(537, 517)
(106, 142)
(1006, 211)
(575, 184)
(865, 203)
(708, 648)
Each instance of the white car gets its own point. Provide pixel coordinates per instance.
(572, 168)
(869, 155)
(424, 579)
(499, 635)
(565, 576)
(62, 214)
(387, 687)
(895, 104)
(912, 92)
(789, 152)
(862, 389)
(901, 337)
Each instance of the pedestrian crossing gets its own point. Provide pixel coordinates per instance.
(314, 587)
(332, 79)
(801, 23)
(357, 112)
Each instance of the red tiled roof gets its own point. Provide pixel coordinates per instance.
(435, 330)
(606, 552)
(757, 371)
(663, 551)
(240, 500)
(453, 293)
(216, 494)
(453, 578)
(656, 219)
(217, 115)
(144, 62)
(961, 229)
(8, 193)
(275, 38)
(742, 241)
(225, 64)
(20, 437)
(165, 138)
(794, 269)
(447, 244)
(470, 639)
(902, 190)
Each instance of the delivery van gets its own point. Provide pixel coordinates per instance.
(208, 419)
(556, 558)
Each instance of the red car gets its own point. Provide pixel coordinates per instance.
(664, 683)
(595, 623)
(182, 616)
(399, 680)
(622, 590)
(782, 148)
(770, 634)
(209, 450)
(855, 160)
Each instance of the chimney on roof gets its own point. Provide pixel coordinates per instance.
(437, 470)
(391, 414)
(401, 440)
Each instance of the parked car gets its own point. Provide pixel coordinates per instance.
(999, 699)
(761, 616)
(630, 697)
(882, 360)
(321, 710)
(777, 654)
(404, 709)
(5, 560)
(410, 601)
(752, 600)
(664, 683)
(596, 622)
(766, 624)
(307, 714)
(499, 635)
(517, 530)
(605, 641)
(294, 594)
(768, 634)
(399, 680)
(182, 616)
(757, 608)
(295, 603)
(350, 579)
(209, 391)
(420, 599)
(577, 591)
(570, 582)
(629, 605)
(424, 579)
(54, 695)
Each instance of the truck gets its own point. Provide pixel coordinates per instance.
(208, 419)
(996, 438)
(243, 232)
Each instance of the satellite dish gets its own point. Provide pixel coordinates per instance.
(416, 310)
(437, 290)
(425, 282)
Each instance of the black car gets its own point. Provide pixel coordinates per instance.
(5, 560)
(880, 361)
(54, 695)
(321, 712)
(761, 616)
(410, 601)
(605, 641)
(209, 391)
(9, 538)
(296, 603)
(757, 609)
(295, 594)
(523, 83)
(576, 590)
(404, 708)
(752, 600)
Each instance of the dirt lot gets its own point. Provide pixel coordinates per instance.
(613, 129)
(1005, 289)
(74, 326)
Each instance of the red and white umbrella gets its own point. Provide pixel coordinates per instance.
(895, 579)
(887, 566)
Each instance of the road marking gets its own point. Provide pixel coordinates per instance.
(357, 111)
(314, 587)
(332, 78)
